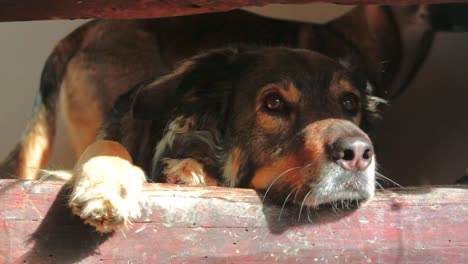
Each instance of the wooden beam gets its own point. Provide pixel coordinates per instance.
(19, 10)
(194, 224)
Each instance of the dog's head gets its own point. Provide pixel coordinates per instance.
(284, 121)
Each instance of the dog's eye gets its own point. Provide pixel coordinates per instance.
(273, 103)
(350, 103)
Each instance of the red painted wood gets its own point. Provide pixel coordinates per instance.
(11, 10)
(195, 224)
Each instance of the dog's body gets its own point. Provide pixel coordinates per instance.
(101, 60)
(188, 141)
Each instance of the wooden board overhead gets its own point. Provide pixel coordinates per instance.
(20, 10)
(212, 225)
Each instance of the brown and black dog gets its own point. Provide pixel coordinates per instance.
(280, 120)
(102, 59)
(372, 50)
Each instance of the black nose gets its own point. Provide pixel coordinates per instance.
(352, 153)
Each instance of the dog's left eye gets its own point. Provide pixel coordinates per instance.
(350, 103)
(274, 103)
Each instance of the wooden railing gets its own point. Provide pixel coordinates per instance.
(14, 10)
(193, 224)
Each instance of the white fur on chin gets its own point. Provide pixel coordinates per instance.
(335, 184)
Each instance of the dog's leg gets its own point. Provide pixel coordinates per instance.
(107, 187)
(82, 123)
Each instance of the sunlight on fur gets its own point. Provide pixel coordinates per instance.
(108, 192)
(186, 171)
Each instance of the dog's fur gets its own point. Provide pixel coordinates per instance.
(102, 59)
(91, 68)
(267, 118)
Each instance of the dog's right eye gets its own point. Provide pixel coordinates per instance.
(274, 103)
(350, 103)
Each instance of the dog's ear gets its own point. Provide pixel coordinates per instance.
(184, 85)
(393, 40)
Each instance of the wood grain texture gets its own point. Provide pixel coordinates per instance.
(19, 10)
(212, 225)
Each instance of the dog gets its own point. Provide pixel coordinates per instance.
(282, 121)
(101, 60)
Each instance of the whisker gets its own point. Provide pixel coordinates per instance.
(282, 174)
(336, 208)
(297, 192)
(286, 200)
(379, 185)
(63, 175)
(303, 202)
(295, 196)
(309, 215)
(381, 176)
(150, 180)
(356, 200)
(277, 178)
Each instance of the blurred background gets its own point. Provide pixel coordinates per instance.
(423, 138)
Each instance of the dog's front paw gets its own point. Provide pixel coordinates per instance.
(107, 193)
(184, 171)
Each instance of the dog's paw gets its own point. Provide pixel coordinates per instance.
(184, 171)
(107, 193)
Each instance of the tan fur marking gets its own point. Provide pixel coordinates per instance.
(82, 111)
(187, 171)
(288, 92)
(343, 86)
(36, 148)
(291, 94)
(268, 122)
(317, 134)
(231, 170)
(265, 176)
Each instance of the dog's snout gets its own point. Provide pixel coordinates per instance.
(352, 153)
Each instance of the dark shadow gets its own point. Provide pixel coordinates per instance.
(415, 190)
(280, 218)
(62, 237)
(463, 180)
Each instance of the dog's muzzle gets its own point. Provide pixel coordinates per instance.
(347, 170)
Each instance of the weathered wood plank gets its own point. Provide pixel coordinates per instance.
(14, 10)
(193, 224)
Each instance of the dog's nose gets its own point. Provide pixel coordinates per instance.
(352, 153)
